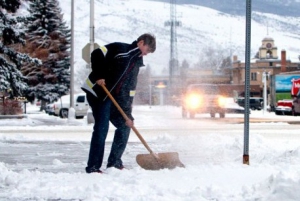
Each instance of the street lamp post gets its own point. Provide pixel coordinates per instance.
(161, 96)
(161, 87)
(264, 77)
(150, 95)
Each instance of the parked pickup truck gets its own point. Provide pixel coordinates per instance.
(61, 107)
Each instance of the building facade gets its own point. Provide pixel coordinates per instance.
(265, 62)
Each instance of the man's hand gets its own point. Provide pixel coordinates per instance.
(129, 123)
(101, 82)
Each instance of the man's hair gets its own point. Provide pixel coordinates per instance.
(149, 39)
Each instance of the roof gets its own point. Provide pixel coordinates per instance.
(268, 38)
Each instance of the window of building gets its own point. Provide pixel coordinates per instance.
(253, 76)
(269, 54)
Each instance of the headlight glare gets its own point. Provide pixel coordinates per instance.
(222, 101)
(194, 101)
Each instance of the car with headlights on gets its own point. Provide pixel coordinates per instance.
(203, 98)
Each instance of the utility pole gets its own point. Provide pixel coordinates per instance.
(173, 62)
(89, 47)
(71, 109)
(92, 27)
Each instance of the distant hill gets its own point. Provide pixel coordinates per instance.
(208, 24)
(237, 7)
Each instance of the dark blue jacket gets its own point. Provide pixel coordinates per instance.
(117, 63)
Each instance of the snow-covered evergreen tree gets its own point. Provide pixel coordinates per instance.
(11, 79)
(10, 5)
(48, 39)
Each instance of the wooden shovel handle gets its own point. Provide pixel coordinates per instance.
(126, 118)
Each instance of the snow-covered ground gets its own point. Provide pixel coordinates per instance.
(43, 158)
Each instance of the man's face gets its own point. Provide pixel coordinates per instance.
(145, 49)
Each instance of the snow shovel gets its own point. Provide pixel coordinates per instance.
(152, 161)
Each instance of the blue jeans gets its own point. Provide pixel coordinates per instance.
(101, 113)
(119, 144)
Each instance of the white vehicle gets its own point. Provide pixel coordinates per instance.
(61, 107)
(49, 109)
(284, 107)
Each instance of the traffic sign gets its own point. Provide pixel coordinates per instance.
(86, 54)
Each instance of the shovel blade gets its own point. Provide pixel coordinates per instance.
(159, 161)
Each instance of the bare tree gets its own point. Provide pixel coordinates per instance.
(143, 86)
(213, 58)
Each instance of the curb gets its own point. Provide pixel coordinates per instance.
(21, 116)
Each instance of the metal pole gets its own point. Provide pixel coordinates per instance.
(231, 60)
(265, 91)
(25, 106)
(72, 57)
(247, 83)
(161, 96)
(150, 95)
(92, 27)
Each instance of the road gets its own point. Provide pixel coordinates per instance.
(53, 146)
